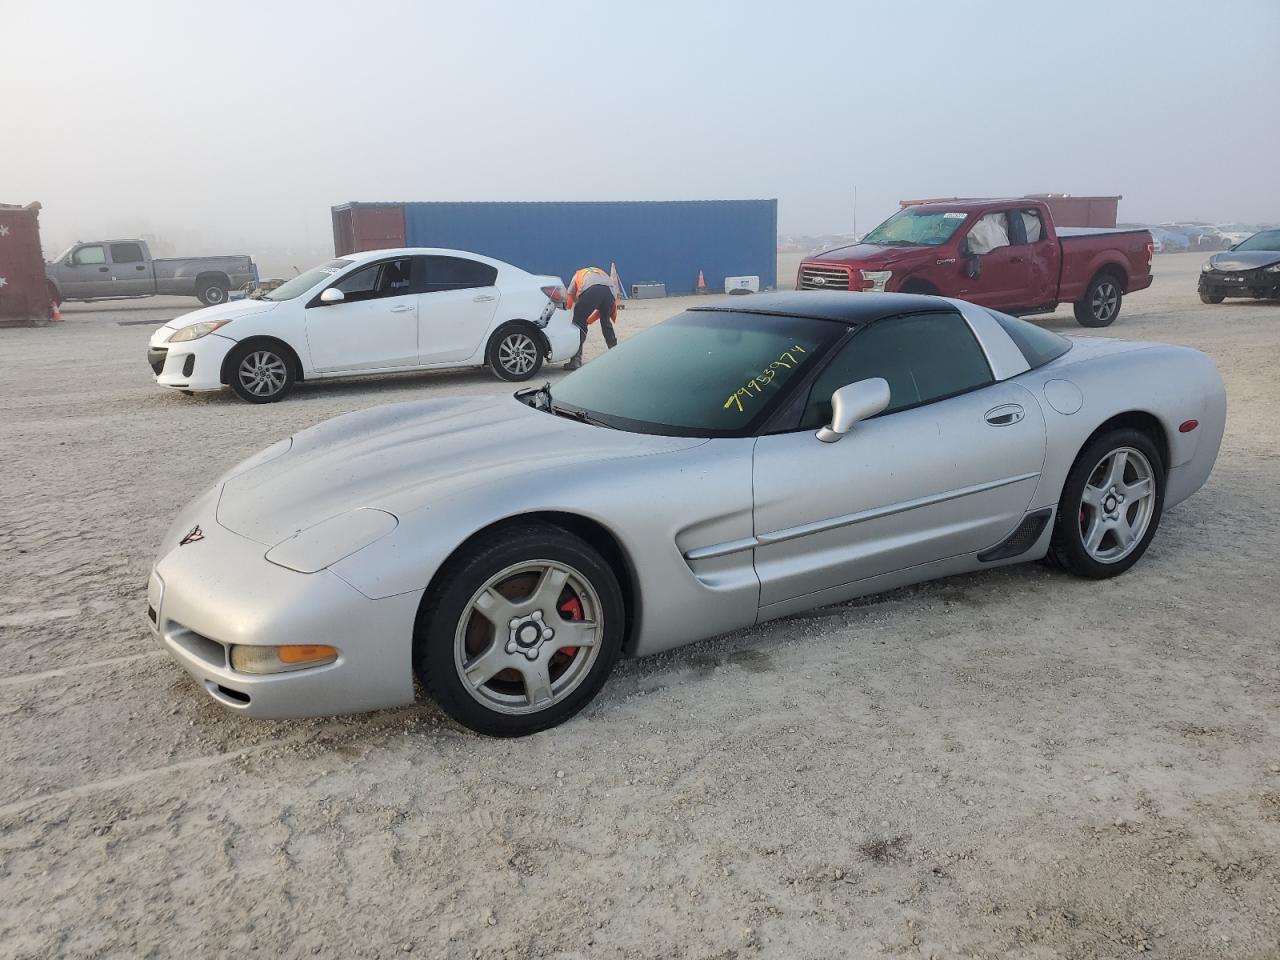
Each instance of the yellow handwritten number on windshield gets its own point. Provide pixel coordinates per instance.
(761, 380)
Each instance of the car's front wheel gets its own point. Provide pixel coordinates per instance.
(521, 631)
(514, 352)
(1110, 507)
(260, 372)
(1211, 297)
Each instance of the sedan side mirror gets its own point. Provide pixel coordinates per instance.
(854, 402)
(332, 295)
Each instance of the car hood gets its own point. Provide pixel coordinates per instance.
(223, 311)
(1244, 259)
(867, 251)
(400, 457)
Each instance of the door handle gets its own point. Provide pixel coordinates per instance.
(403, 308)
(483, 298)
(102, 269)
(140, 267)
(1005, 415)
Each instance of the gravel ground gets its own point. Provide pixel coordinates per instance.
(1016, 764)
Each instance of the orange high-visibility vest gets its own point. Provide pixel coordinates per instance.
(584, 279)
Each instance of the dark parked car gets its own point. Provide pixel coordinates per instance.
(1249, 269)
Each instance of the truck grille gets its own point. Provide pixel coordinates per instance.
(824, 276)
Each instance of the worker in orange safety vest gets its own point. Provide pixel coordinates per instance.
(591, 297)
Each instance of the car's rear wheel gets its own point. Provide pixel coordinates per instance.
(1211, 297)
(260, 372)
(521, 631)
(514, 352)
(1110, 507)
(211, 291)
(1100, 304)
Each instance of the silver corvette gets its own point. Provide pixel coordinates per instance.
(742, 461)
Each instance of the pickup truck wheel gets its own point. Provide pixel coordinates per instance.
(260, 372)
(1211, 297)
(514, 352)
(1100, 304)
(211, 292)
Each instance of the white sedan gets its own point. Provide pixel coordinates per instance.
(383, 311)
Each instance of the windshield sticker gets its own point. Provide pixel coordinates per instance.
(954, 216)
(786, 361)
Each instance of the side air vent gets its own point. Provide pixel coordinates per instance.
(1021, 540)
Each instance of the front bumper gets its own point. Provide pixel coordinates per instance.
(1241, 283)
(195, 365)
(219, 591)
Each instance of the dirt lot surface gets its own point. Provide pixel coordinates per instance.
(1017, 764)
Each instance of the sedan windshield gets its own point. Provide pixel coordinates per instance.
(701, 373)
(1266, 240)
(916, 228)
(305, 281)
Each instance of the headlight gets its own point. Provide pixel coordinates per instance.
(1274, 268)
(1206, 268)
(197, 330)
(329, 541)
(292, 656)
(877, 279)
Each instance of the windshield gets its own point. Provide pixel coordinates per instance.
(701, 373)
(1266, 240)
(917, 228)
(305, 281)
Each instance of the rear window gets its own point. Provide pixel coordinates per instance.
(1037, 345)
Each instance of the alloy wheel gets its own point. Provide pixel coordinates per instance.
(517, 353)
(262, 373)
(528, 637)
(1105, 301)
(1117, 505)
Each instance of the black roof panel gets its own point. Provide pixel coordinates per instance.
(839, 306)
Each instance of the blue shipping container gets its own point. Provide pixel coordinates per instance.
(669, 241)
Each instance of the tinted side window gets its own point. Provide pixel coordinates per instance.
(1038, 346)
(457, 273)
(89, 255)
(126, 253)
(924, 357)
(391, 278)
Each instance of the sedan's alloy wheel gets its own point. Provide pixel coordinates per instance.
(528, 637)
(262, 373)
(1117, 505)
(517, 353)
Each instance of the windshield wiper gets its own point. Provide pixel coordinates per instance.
(577, 413)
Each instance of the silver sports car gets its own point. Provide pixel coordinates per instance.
(742, 461)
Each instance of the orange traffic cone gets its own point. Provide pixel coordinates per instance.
(702, 283)
(619, 294)
(56, 315)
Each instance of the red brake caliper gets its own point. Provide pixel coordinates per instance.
(571, 609)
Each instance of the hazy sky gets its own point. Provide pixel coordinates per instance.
(224, 121)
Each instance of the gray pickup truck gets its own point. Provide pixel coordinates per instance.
(107, 269)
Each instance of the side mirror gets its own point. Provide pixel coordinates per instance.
(332, 295)
(973, 266)
(854, 402)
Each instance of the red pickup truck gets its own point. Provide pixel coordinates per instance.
(1004, 254)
